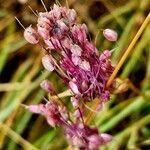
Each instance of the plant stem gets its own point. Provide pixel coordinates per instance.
(17, 138)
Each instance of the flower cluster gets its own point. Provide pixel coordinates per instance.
(54, 114)
(83, 68)
(76, 59)
(85, 138)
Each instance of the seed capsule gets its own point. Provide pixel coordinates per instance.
(31, 35)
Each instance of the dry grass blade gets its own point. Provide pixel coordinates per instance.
(17, 138)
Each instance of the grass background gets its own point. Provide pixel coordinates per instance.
(126, 116)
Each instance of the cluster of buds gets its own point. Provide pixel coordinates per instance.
(86, 138)
(76, 59)
(54, 114)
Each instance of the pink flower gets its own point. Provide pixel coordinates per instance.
(77, 61)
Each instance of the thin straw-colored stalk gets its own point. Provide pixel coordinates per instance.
(4, 132)
(17, 138)
(129, 49)
(62, 95)
(13, 86)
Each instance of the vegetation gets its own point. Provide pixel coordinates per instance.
(126, 116)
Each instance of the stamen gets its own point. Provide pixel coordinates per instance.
(35, 13)
(57, 2)
(20, 23)
(44, 6)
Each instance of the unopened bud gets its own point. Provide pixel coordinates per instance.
(105, 55)
(74, 87)
(47, 63)
(76, 50)
(85, 65)
(77, 114)
(47, 86)
(106, 137)
(31, 35)
(37, 109)
(76, 60)
(110, 35)
(71, 15)
(84, 86)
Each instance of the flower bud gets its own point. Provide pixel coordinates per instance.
(64, 112)
(110, 35)
(105, 55)
(37, 109)
(85, 65)
(106, 138)
(60, 28)
(43, 31)
(77, 114)
(79, 32)
(31, 35)
(76, 50)
(47, 86)
(56, 11)
(74, 87)
(76, 60)
(94, 141)
(71, 16)
(47, 63)
(75, 102)
(84, 86)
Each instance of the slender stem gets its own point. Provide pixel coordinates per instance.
(8, 123)
(17, 138)
(129, 49)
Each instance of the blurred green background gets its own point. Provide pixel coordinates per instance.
(126, 116)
